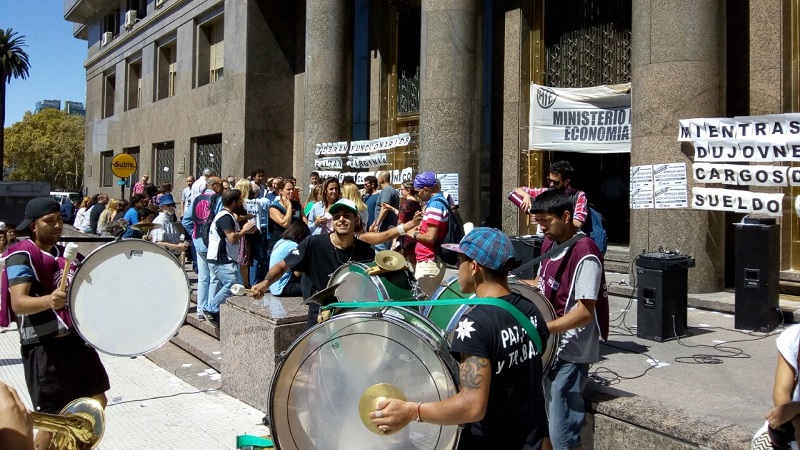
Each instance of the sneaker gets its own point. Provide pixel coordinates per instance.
(212, 318)
(201, 316)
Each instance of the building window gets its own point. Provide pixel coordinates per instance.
(111, 23)
(211, 48)
(133, 151)
(164, 157)
(140, 6)
(109, 90)
(134, 91)
(208, 154)
(167, 70)
(106, 176)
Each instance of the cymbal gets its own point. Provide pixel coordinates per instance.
(323, 297)
(369, 402)
(390, 260)
(146, 227)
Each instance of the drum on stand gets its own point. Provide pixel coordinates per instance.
(129, 297)
(358, 285)
(446, 317)
(319, 380)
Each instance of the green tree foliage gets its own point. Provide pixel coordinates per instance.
(47, 146)
(13, 63)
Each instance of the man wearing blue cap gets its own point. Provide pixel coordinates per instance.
(429, 270)
(168, 235)
(501, 399)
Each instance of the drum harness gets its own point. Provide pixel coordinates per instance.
(518, 315)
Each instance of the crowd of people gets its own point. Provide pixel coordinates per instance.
(262, 233)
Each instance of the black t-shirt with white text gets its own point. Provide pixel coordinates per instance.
(515, 415)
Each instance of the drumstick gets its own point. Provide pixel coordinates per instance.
(70, 252)
(238, 289)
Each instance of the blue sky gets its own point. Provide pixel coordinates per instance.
(56, 57)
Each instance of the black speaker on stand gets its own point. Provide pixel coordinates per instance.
(757, 274)
(661, 295)
(526, 248)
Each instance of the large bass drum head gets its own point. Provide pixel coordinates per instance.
(129, 297)
(549, 314)
(314, 400)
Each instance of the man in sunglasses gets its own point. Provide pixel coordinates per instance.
(559, 179)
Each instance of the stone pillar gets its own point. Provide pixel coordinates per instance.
(327, 116)
(449, 91)
(676, 63)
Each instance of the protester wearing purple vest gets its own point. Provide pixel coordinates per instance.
(59, 366)
(572, 280)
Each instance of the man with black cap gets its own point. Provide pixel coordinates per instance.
(501, 399)
(59, 366)
(318, 256)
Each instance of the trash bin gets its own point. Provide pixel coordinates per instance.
(526, 248)
(661, 294)
(757, 274)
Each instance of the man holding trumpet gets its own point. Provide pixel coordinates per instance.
(59, 366)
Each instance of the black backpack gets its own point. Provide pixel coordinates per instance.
(455, 232)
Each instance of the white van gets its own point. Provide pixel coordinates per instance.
(59, 196)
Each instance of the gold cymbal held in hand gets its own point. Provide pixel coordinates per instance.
(369, 403)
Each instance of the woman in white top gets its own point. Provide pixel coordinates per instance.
(320, 220)
(784, 418)
(81, 218)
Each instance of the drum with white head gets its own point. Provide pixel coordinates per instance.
(129, 297)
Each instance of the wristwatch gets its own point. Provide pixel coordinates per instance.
(415, 235)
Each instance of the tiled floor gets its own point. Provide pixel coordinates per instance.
(149, 408)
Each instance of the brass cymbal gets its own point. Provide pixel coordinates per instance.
(369, 403)
(146, 227)
(323, 297)
(390, 260)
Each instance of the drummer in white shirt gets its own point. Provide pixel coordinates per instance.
(168, 236)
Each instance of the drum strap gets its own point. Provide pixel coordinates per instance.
(524, 321)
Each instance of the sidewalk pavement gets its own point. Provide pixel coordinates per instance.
(149, 408)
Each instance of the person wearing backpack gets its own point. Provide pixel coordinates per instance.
(197, 223)
(429, 270)
(585, 218)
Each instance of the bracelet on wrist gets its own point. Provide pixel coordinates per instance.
(419, 419)
(401, 230)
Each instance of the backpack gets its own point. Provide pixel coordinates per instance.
(203, 212)
(455, 232)
(593, 226)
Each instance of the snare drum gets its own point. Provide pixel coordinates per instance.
(319, 380)
(358, 285)
(129, 297)
(446, 317)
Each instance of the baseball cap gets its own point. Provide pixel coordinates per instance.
(488, 247)
(38, 207)
(166, 200)
(3, 226)
(343, 203)
(425, 179)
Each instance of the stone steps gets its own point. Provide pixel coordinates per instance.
(185, 366)
(199, 344)
(202, 325)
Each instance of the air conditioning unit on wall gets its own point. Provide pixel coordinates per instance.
(130, 18)
(107, 37)
(160, 3)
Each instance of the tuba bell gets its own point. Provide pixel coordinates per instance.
(79, 426)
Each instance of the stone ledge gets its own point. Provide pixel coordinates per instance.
(684, 429)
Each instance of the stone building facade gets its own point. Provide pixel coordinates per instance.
(455, 74)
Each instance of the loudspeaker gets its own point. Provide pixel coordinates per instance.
(661, 303)
(526, 248)
(757, 274)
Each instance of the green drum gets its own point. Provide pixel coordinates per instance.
(357, 285)
(446, 316)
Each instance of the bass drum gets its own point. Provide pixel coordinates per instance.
(357, 285)
(446, 317)
(129, 297)
(319, 380)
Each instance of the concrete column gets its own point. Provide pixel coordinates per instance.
(449, 92)
(326, 106)
(676, 63)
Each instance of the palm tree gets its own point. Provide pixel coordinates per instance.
(13, 62)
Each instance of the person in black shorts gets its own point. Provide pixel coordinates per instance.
(318, 256)
(59, 366)
(500, 399)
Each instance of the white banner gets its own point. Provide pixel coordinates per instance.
(328, 163)
(737, 201)
(740, 128)
(641, 196)
(746, 175)
(587, 120)
(365, 162)
(670, 187)
(251, 206)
